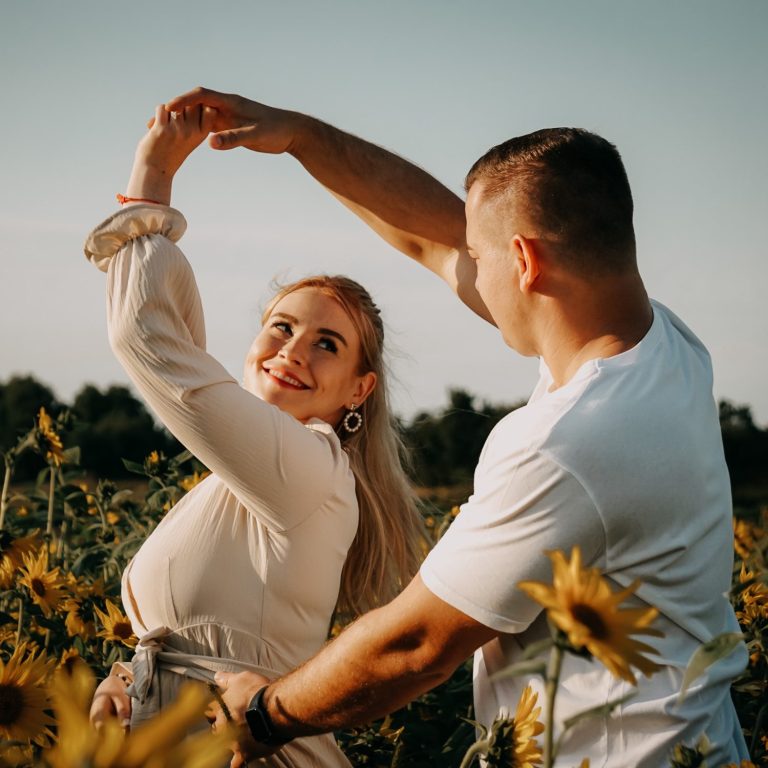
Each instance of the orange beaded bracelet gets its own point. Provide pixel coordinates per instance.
(122, 199)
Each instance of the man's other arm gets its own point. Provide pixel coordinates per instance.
(406, 206)
(381, 662)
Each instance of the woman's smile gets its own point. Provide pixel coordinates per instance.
(284, 379)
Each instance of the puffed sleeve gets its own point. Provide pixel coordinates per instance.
(280, 469)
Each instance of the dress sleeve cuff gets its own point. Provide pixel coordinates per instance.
(128, 224)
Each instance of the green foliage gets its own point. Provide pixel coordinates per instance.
(98, 526)
(447, 444)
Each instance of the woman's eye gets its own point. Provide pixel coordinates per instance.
(328, 344)
(281, 326)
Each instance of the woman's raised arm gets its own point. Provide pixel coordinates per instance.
(273, 463)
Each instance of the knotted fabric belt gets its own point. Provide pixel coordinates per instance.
(152, 653)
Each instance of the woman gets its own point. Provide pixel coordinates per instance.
(307, 505)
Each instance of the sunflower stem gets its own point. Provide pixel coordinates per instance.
(6, 486)
(552, 681)
(60, 548)
(21, 622)
(477, 749)
(51, 489)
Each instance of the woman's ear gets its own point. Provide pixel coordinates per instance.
(364, 386)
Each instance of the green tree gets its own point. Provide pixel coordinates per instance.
(113, 425)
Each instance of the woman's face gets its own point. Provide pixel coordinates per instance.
(305, 360)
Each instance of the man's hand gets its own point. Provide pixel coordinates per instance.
(110, 700)
(240, 122)
(237, 689)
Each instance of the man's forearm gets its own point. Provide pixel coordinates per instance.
(355, 679)
(403, 203)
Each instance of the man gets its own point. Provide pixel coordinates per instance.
(618, 450)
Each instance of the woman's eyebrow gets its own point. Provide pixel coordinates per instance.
(321, 331)
(335, 334)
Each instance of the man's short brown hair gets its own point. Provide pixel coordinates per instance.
(574, 189)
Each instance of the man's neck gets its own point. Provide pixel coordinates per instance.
(599, 322)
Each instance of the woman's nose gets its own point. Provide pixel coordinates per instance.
(294, 350)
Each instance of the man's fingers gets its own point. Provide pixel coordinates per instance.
(207, 119)
(233, 138)
(196, 96)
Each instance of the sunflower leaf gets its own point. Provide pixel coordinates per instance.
(528, 667)
(72, 455)
(601, 711)
(705, 656)
(534, 649)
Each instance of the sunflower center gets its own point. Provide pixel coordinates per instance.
(11, 704)
(38, 587)
(123, 630)
(591, 619)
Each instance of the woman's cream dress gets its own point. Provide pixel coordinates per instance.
(244, 571)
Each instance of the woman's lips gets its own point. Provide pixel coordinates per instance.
(285, 379)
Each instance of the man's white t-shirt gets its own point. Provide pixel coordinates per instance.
(625, 460)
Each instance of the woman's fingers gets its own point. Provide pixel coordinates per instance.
(162, 117)
(122, 705)
(110, 700)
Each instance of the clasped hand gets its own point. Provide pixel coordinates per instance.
(182, 124)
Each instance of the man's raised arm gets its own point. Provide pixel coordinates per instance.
(409, 208)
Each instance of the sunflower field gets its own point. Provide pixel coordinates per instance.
(65, 540)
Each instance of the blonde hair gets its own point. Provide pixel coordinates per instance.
(387, 548)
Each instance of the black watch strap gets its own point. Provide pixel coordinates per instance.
(259, 723)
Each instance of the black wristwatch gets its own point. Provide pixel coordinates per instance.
(259, 723)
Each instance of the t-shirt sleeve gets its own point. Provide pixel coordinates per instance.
(523, 506)
(278, 468)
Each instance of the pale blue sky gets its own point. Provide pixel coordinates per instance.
(680, 87)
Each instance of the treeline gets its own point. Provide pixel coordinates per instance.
(108, 425)
(111, 424)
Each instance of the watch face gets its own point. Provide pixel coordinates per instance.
(257, 718)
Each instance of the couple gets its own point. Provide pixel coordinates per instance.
(618, 451)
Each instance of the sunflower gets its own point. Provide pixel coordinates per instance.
(745, 537)
(23, 697)
(74, 623)
(55, 452)
(70, 658)
(47, 588)
(189, 482)
(12, 552)
(117, 627)
(753, 598)
(516, 745)
(161, 742)
(17, 756)
(690, 757)
(581, 604)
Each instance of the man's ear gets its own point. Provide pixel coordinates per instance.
(524, 252)
(364, 386)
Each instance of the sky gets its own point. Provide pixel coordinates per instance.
(680, 86)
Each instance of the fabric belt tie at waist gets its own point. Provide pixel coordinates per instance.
(152, 653)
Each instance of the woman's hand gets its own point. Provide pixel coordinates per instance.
(161, 152)
(111, 700)
(240, 122)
